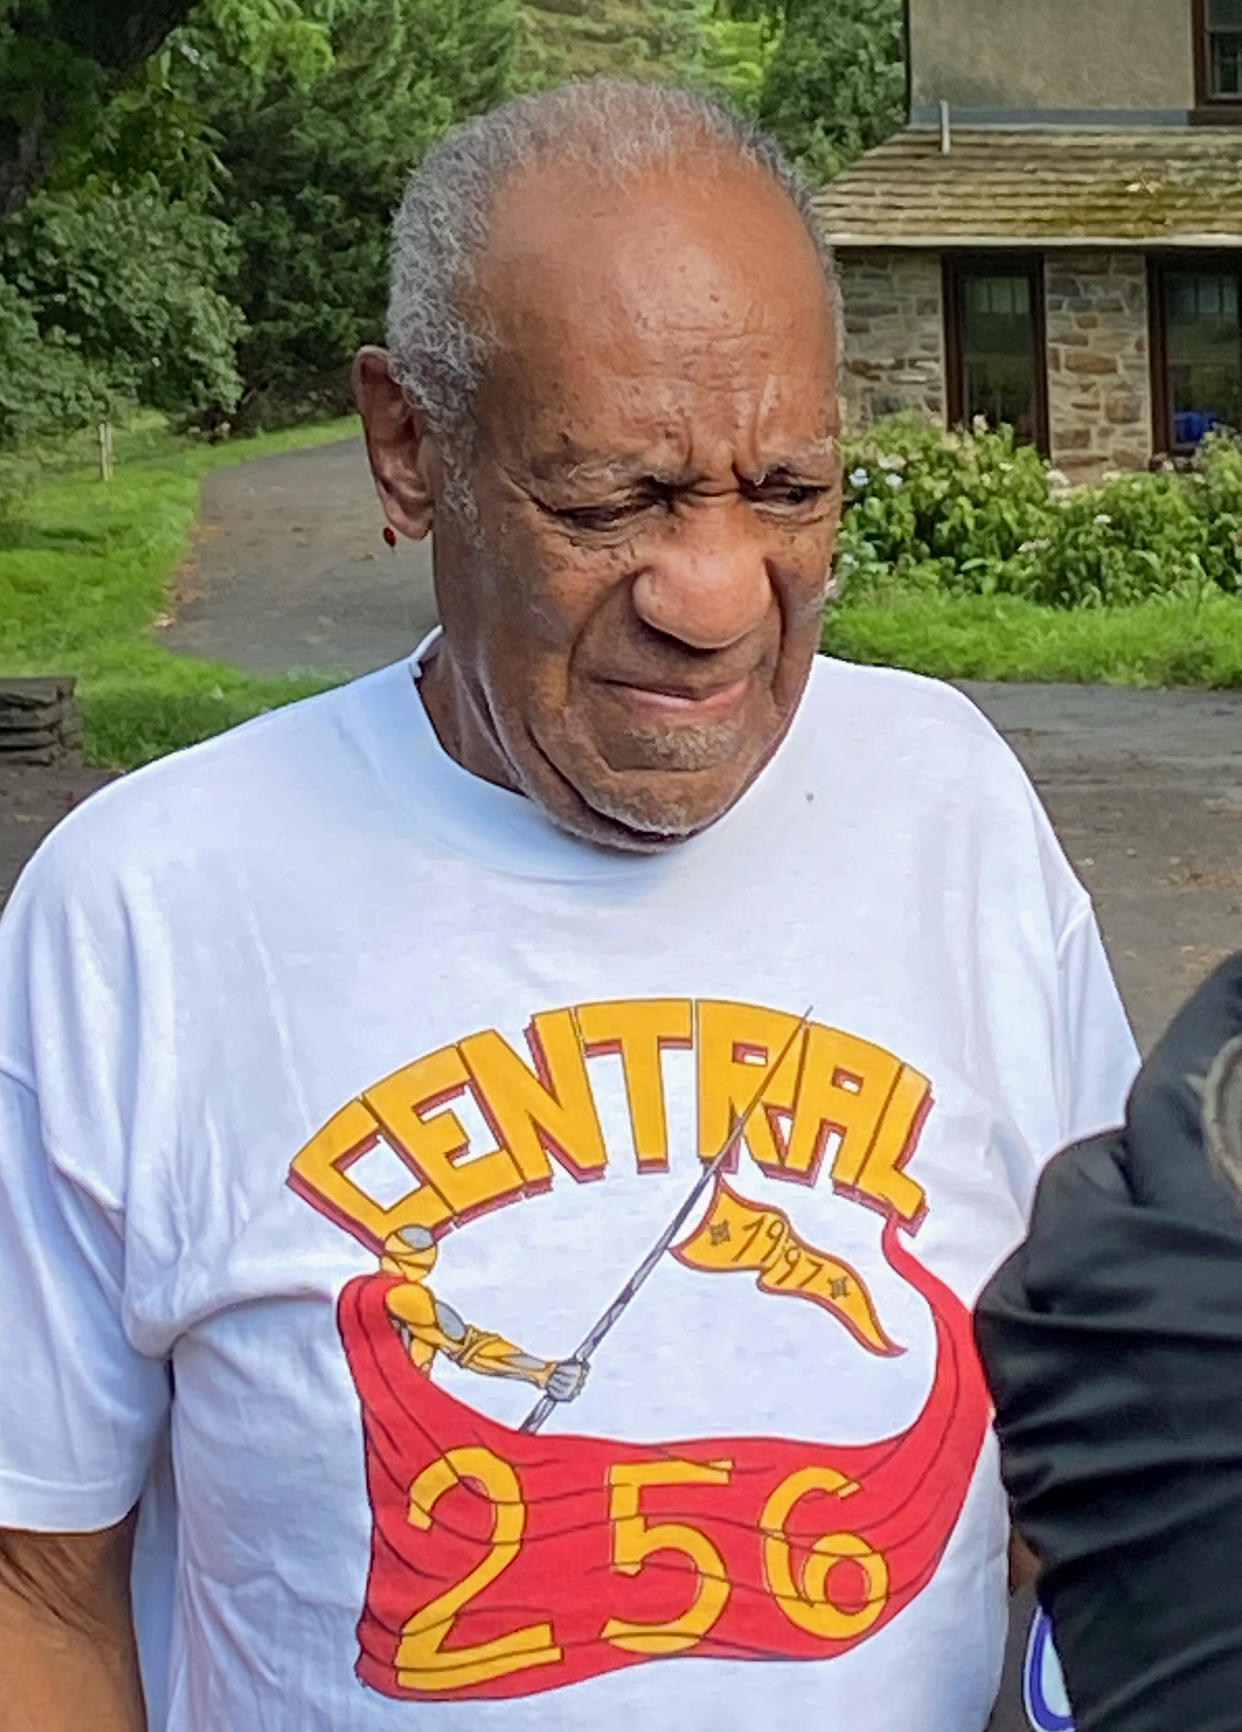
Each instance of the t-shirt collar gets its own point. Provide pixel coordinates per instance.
(509, 830)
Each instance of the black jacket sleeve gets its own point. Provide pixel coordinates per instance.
(1112, 1340)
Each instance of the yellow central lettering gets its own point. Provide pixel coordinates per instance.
(834, 1100)
(640, 1029)
(434, 1142)
(736, 1044)
(537, 1115)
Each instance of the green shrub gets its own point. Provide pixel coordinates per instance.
(124, 289)
(974, 514)
(1131, 537)
(1215, 493)
(46, 382)
(949, 510)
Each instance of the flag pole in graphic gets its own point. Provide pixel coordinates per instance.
(543, 1407)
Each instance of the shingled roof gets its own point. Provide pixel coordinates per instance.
(1140, 186)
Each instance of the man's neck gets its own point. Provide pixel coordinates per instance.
(460, 724)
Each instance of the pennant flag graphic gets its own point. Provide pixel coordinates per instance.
(737, 1234)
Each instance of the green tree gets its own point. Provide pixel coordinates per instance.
(127, 284)
(836, 82)
(561, 39)
(114, 276)
(62, 61)
(313, 171)
(59, 62)
(735, 52)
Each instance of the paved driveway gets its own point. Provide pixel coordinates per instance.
(289, 569)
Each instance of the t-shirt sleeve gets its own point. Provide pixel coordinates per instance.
(1098, 1059)
(82, 1409)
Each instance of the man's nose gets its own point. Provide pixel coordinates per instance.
(707, 582)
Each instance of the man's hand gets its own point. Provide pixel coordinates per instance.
(565, 1380)
(1023, 1564)
(68, 1659)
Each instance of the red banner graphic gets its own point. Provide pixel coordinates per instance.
(505, 1563)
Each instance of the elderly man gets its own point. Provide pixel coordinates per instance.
(509, 948)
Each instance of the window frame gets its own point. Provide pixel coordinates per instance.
(1159, 264)
(956, 269)
(1209, 109)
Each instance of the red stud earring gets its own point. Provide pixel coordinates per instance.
(389, 534)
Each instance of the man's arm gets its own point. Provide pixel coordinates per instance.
(1112, 1340)
(68, 1658)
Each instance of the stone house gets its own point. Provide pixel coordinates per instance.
(1055, 239)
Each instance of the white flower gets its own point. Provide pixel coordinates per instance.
(1057, 478)
(896, 461)
(860, 477)
(979, 425)
(893, 480)
(1102, 519)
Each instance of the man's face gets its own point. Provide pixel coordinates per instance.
(633, 612)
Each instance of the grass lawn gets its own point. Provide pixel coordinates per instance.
(1173, 640)
(85, 572)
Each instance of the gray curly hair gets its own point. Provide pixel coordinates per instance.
(439, 341)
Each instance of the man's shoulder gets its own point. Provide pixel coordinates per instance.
(890, 708)
(250, 787)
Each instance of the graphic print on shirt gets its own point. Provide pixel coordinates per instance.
(509, 1561)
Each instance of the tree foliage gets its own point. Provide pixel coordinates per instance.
(836, 82)
(127, 283)
(59, 62)
(312, 172)
(559, 39)
(218, 180)
(735, 51)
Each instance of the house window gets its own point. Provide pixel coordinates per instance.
(1218, 45)
(994, 331)
(1196, 350)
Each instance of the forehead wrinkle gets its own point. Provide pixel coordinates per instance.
(796, 459)
(606, 470)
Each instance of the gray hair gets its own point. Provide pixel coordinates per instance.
(438, 342)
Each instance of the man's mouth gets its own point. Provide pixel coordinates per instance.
(678, 703)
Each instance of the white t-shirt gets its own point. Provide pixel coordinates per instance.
(275, 999)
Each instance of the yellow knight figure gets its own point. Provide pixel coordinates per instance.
(429, 1326)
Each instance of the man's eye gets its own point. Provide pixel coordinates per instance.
(788, 495)
(601, 516)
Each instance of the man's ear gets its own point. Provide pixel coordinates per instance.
(398, 445)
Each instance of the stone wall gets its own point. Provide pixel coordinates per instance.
(894, 335)
(1099, 385)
